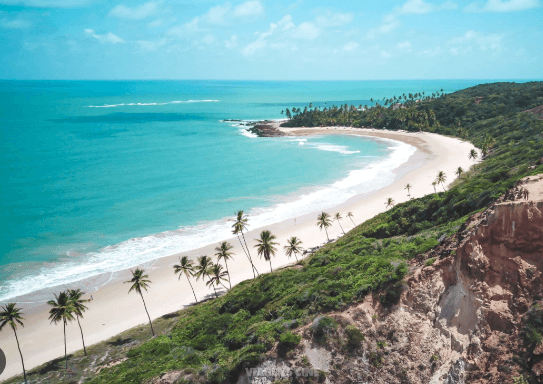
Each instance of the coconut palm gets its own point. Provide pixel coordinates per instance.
(216, 277)
(434, 183)
(265, 246)
(324, 221)
(293, 247)
(389, 202)
(440, 178)
(12, 315)
(338, 218)
(62, 311)
(473, 155)
(350, 216)
(75, 296)
(459, 171)
(240, 224)
(408, 187)
(202, 269)
(140, 281)
(185, 267)
(224, 254)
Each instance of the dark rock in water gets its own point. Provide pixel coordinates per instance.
(266, 130)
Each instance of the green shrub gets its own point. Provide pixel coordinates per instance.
(354, 337)
(322, 325)
(288, 341)
(430, 261)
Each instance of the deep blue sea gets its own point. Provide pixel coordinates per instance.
(98, 176)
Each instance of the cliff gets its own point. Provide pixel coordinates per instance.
(470, 316)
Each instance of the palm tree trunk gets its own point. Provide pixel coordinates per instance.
(227, 271)
(22, 361)
(250, 258)
(271, 269)
(353, 222)
(325, 230)
(150, 322)
(296, 257)
(65, 349)
(341, 227)
(192, 289)
(82, 339)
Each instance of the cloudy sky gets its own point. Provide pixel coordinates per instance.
(271, 40)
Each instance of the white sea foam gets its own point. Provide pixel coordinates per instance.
(151, 104)
(145, 249)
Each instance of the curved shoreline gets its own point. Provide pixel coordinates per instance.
(112, 311)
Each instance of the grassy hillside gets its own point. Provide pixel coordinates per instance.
(214, 341)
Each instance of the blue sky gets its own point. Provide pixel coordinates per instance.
(271, 40)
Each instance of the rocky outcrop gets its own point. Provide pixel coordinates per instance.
(266, 130)
(537, 111)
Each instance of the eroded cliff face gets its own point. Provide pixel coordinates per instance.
(468, 310)
(464, 318)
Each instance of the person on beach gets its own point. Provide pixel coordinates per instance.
(526, 194)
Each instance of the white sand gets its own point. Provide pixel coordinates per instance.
(114, 311)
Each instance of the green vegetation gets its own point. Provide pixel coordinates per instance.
(430, 261)
(215, 340)
(355, 337)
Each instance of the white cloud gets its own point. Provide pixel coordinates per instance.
(350, 46)
(422, 7)
(15, 23)
(151, 46)
(406, 45)
(385, 54)
(389, 23)
(251, 48)
(503, 6)
(307, 31)
(475, 40)
(135, 13)
(218, 15)
(250, 8)
(108, 38)
(47, 3)
(232, 42)
(334, 19)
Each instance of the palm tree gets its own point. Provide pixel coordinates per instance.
(293, 247)
(222, 253)
(185, 267)
(473, 155)
(79, 308)
(440, 178)
(459, 171)
(390, 202)
(202, 269)
(338, 218)
(408, 187)
(13, 316)
(350, 216)
(216, 276)
(324, 221)
(240, 223)
(62, 311)
(140, 281)
(434, 185)
(266, 246)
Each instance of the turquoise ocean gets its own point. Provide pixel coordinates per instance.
(98, 176)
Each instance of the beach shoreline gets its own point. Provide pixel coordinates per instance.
(113, 311)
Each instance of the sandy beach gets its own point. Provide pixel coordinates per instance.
(113, 310)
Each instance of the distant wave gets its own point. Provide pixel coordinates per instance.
(151, 104)
(145, 249)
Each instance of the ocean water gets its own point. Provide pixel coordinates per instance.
(102, 176)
